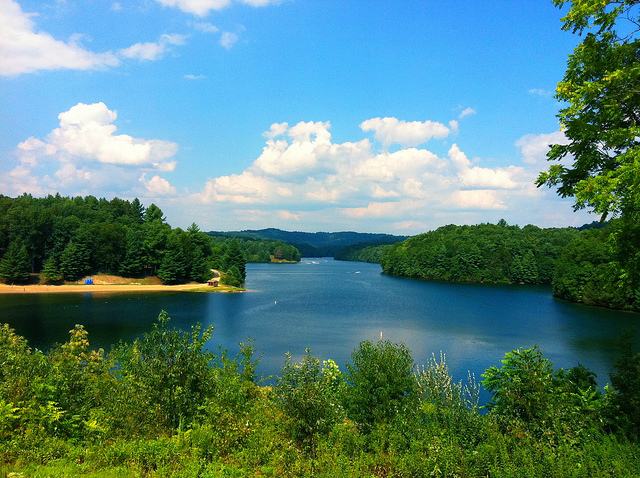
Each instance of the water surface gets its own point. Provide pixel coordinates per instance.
(331, 306)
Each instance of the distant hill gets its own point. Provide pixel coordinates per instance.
(313, 244)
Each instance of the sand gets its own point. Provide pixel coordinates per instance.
(111, 288)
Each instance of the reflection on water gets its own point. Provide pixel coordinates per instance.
(330, 307)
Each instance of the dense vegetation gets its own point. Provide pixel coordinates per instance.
(68, 238)
(363, 252)
(173, 408)
(601, 130)
(482, 253)
(313, 244)
(589, 270)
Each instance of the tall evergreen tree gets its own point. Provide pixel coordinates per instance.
(15, 264)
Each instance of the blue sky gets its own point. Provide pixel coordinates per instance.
(372, 116)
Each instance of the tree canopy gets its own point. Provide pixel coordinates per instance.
(601, 94)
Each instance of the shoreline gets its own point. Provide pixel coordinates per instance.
(111, 288)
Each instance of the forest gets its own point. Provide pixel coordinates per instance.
(65, 239)
(581, 265)
(165, 405)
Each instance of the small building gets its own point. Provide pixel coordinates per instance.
(213, 282)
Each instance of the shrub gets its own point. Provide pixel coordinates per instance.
(309, 396)
(382, 383)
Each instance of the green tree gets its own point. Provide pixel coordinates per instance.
(235, 258)
(601, 121)
(623, 398)
(170, 370)
(50, 272)
(133, 264)
(382, 383)
(15, 264)
(74, 261)
(309, 396)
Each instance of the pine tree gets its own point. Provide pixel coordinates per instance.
(15, 264)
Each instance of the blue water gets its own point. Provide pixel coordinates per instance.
(331, 306)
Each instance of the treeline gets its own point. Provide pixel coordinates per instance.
(496, 253)
(262, 250)
(65, 239)
(371, 252)
(173, 408)
(601, 267)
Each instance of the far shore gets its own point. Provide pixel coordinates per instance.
(111, 288)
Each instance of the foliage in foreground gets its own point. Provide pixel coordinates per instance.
(172, 408)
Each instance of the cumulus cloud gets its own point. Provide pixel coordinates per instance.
(480, 178)
(405, 133)
(152, 50)
(87, 132)
(200, 8)
(157, 186)
(476, 199)
(85, 151)
(535, 147)
(25, 50)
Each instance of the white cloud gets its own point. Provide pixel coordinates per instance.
(87, 132)
(277, 129)
(481, 178)
(152, 51)
(289, 216)
(157, 186)
(245, 188)
(412, 133)
(200, 8)
(85, 153)
(205, 27)
(535, 147)
(476, 199)
(228, 39)
(295, 159)
(194, 77)
(262, 3)
(541, 92)
(466, 112)
(24, 50)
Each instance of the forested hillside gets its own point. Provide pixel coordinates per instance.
(65, 239)
(482, 253)
(313, 244)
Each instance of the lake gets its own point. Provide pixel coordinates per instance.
(331, 306)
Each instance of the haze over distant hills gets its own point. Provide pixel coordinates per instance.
(313, 244)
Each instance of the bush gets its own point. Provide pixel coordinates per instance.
(381, 383)
(309, 396)
(168, 370)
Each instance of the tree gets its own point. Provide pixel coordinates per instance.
(235, 257)
(50, 272)
(601, 121)
(382, 383)
(15, 264)
(602, 116)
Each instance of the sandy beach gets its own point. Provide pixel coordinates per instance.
(110, 288)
